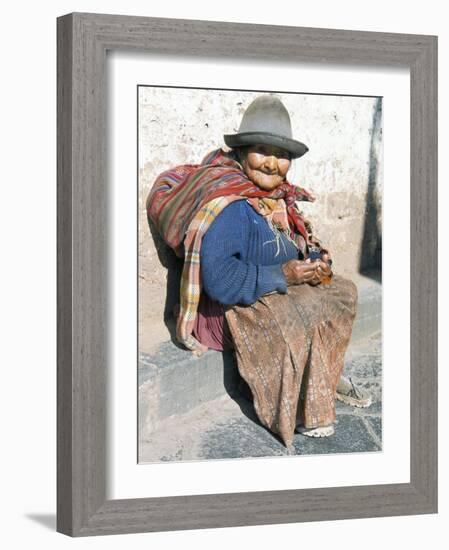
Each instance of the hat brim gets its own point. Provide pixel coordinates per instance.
(295, 148)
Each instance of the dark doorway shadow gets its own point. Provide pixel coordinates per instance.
(371, 251)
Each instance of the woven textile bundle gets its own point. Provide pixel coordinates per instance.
(185, 201)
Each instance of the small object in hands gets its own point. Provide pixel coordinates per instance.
(315, 253)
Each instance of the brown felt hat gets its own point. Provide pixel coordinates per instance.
(267, 121)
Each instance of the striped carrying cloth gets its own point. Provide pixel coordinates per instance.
(185, 201)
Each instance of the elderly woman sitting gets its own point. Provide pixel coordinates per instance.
(255, 279)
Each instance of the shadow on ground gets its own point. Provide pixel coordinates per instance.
(46, 520)
(228, 427)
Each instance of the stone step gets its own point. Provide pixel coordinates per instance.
(172, 381)
(369, 311)
(228, 427)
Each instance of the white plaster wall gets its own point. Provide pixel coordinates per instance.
(342, 168)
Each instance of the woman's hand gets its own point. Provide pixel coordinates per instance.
(298, 272)
(323, 271)
(325, 256)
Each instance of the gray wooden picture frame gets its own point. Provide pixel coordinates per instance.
(83, 40)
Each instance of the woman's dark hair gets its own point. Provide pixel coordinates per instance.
(239, 153)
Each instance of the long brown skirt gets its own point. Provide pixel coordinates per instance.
(290, 350)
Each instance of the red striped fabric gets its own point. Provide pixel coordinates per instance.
(178, 194)
(184, 202)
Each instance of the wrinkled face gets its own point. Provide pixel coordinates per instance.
(265, 165)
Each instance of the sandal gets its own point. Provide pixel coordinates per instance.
(322, 431)
(349, 393)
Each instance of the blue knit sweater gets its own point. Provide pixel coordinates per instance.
(240, 257)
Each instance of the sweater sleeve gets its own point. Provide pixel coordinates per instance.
(226, 276)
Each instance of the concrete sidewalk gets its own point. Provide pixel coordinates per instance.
(227, 427)
(190, 408)
(173, 382)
